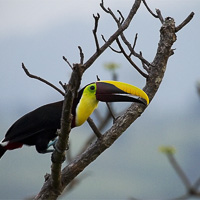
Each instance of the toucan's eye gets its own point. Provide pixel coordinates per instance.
(92, 87)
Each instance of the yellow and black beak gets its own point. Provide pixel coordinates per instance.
(114, 91)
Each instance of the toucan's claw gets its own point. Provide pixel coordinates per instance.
(52, 143)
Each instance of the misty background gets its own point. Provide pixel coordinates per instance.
(39, 33)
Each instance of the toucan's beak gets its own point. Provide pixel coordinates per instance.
(114, 91)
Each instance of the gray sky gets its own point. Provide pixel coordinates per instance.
(39, 33)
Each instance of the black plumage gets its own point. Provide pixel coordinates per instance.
(36, 128)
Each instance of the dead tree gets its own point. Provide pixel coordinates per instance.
(153, 72)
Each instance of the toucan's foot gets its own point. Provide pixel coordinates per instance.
(52, 143)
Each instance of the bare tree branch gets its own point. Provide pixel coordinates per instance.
(127, 56)
(65, 59)
(96, 18)
(113, 37)
(147, 7)
(103, 122)
(185, 22)
(64, 86)
(121, 19)
(41, 79)
(132, 50)
(130, 60)
(103, 7)
(124, 38)
(116, 51)
(143, 64)
(134, 44)
(159, 15)
(81, 55)
(94, 128)
(179, 171)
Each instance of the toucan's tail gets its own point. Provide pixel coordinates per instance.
(2, 151)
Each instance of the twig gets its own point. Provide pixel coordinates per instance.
(134, 44)
(159, 16)
(130, 60)
(114, 17)
(121, 20)
(98, 79)
(41, 79)
(186, 21)
(116, 51)
(143, 64)
(124, 38)
(64, 86)
(133, 51)
(179, 171)
(96, 18)
(103, 122)
(127, 56)
(147, 7)
(110, 110)
(65, 59)
(81, 55)
(103, 7)
(94, 128)
(112, 38)
(108, 10)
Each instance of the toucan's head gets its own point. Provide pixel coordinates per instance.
(106, 91)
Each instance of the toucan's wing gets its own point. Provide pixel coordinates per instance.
(44, 118)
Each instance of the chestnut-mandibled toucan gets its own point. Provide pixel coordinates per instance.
(39, 126)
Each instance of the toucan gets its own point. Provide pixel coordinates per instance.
(39, 127)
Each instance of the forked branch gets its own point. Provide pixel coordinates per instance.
(130, 60)
(159, 15)
(96, 19)
(113, 37)
(131, 49)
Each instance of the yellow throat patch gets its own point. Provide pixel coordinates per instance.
(86, 105)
